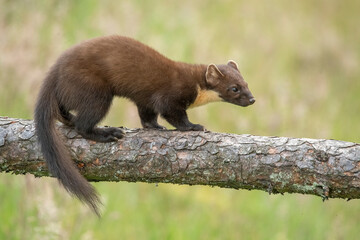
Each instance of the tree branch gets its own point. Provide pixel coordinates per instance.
(327, 168)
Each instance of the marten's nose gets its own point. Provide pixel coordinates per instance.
(252, 100)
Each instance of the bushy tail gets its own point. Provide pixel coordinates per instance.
(55, 153)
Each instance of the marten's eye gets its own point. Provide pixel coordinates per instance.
(235, 89)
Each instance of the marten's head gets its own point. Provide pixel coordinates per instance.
(227, 81)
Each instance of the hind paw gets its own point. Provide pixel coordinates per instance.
(115, 132)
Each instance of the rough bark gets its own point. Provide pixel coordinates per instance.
(327, 168)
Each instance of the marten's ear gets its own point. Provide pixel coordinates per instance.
(213, 75)
(233, 64)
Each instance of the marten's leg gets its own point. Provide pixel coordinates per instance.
(66, 117)
(149, 118)
(178, 118)
(90, 113)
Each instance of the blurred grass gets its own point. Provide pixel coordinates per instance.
(300, 59)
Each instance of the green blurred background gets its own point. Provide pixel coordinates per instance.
(300, 58)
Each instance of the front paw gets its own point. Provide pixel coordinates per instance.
(192, 127)
(153, 126)
(197, 127)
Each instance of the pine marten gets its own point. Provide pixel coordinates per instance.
(80, 86)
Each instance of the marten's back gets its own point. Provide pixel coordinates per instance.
(125, 65)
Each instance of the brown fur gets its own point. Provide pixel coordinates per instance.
(87, 76)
